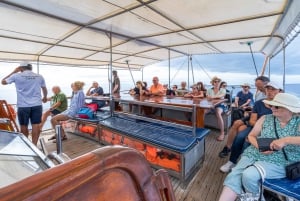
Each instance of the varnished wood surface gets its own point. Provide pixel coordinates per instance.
(109, 173)
(167, 100)
(206, 185)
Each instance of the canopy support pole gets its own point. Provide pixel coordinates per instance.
(130, 72)
(284, 67)
(38, 65)
(112, 108)
(188, 57)
(169, 56)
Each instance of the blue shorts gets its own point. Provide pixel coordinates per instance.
(34, 114)
(55, 112)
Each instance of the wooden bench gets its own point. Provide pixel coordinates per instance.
(109, 173)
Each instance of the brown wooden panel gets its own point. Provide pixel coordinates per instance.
(109, 173)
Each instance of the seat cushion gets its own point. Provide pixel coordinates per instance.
(172, 138)
(286, 187)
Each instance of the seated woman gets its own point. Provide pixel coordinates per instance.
(139, 89)
(77, 101)
(195, 93)
(285, 122)
(217, 93)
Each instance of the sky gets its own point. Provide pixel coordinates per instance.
(235, 69)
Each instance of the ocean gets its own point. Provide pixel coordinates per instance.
(8, 93)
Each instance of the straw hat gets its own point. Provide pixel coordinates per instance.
(215, 78)
(246, 85)
(288, 101)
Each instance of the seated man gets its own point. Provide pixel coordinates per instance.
(96, 90)
(59, 103)
(182, 90)
(244, 98)
(156, 89)
(240, 130)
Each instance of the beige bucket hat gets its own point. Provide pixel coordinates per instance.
(288, 101)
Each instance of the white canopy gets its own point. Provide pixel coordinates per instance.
(143, 32)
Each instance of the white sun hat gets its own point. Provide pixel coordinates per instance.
(288, 101)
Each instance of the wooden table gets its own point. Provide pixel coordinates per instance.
(201, 103)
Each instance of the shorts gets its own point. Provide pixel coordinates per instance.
(34, 114)
(55, 112)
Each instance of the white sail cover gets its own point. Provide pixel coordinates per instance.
(142, 32)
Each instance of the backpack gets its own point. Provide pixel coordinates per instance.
(85, 113)
(236, 114)
(88, 111)
(92, 106)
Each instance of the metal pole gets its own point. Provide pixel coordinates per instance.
(188, 72)
(169, 54)
(58, 139)
(283, 80)
(111, 101)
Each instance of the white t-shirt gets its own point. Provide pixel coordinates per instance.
(28, 87)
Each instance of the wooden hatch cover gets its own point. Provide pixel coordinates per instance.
(110, 173)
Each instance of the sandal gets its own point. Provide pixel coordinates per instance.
(220, 138)
(62, 139)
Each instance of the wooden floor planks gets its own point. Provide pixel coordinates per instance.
(205, 186)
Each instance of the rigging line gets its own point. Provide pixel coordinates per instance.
(249, 44)
(180, 67)
(203, 69)
(191, 60)
(130, 72)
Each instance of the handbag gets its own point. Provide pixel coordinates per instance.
(292, 171)
(264, 144)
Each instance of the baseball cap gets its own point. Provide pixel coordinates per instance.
(274, 85)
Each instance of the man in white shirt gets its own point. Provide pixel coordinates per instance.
(29, 100)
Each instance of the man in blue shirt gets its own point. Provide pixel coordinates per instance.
(94, 91)
(244, 98)
(29, 100)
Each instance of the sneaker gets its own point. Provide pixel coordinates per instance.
(224, 152)
(227, 167)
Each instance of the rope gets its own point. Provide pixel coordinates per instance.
(180, 67)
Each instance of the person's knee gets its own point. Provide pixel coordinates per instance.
(250, 179)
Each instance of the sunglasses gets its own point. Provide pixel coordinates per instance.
(276, 107)
(216, 81)
(224, 85)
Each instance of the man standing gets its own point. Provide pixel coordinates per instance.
(116, 88)
(116, 84)
(29, 101)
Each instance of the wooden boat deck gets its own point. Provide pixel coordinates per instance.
(205, 186)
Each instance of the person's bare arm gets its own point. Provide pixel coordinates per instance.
(18, 69)
(252, 137)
